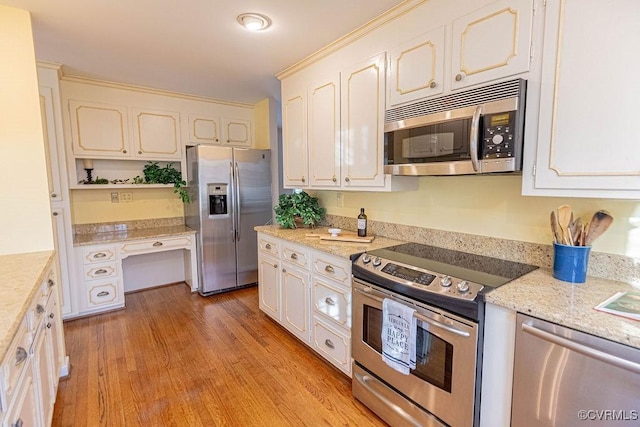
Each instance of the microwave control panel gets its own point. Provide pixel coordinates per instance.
(498, 139)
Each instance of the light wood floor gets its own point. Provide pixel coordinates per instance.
(176, 358)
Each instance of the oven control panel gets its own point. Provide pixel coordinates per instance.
(419, 278)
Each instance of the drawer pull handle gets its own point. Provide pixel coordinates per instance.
(18, 423)
(267, 246)
(102, 294)
(49, 325)
(99, 255)
(50, 282)
(101, 271)
(329, 344)
(329, 301)
(294, 256)
(157, 244)
(21, 355)
(39, 309)
(329, 269)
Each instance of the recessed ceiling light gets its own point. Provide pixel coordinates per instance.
(254, 21)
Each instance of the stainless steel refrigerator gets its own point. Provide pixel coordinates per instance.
(230, 190)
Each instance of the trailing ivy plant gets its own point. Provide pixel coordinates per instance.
(298, 205)
(155, 174)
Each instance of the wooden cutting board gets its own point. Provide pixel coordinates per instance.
(342, 237)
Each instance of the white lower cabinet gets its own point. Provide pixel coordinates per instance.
(308, 292)
(34, 361)
(100, 285)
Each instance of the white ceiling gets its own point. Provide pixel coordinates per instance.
(190, 46)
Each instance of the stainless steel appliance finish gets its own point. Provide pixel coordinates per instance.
(565, 377)
(447, 289)
(230, 191)
(444, 377)
(469, 132)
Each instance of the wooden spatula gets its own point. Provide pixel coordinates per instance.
(564, 218)
(554, 228)
(600, 222)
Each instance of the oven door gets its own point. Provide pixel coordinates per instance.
(443, 382)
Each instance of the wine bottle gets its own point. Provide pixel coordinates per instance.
(362, 224)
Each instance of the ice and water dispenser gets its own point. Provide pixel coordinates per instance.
(217, 199)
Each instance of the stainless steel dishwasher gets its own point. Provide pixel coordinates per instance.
(563, 377)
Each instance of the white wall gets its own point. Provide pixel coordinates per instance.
(25, 213)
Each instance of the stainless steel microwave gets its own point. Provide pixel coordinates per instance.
(468, 132)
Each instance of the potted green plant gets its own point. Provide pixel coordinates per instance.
(298, 207)
(155, 174)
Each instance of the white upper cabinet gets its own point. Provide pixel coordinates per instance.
(587, 133)
(156, 134)
(237, 132)
(362, 123)
(294, 145)
(491, 43)
(416, 68)
(204, 130)
(324, 132)
(98, 129)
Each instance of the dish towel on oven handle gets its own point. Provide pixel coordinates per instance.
(399, 328)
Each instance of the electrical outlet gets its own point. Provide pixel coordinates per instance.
(115, 198)
(339, 200)
(126, 197)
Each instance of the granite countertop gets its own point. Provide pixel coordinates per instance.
(122, 235)
(21, 276)
(341, 249)
(539, 295)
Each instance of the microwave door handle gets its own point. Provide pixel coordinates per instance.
(473, 142)
(453, 330)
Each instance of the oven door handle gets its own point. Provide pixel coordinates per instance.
(366, 379)
(419, 316)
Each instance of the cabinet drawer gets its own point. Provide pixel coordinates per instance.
(337, 269)
(332, 302)
(295, 255)
(156, 245)
(13, 364)
(98, 254)
(269, 246)
(103, 294)
(100, 271)
(332, 345)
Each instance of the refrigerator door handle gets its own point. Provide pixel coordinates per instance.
(232, 183)
(237, 197)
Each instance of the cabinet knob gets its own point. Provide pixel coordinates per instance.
(294, 256)
(21, 355)
(329, 301)
(50, 282)
(347, 179)
(459, 77)
(303, 180)
(54, 195)
(124, 151)
(329, 344)
(55, 214)
(329, 269)
(268, 246)
(140, 152)
(433, 85)
(275, 265)
(51, 315)
(18, 423)
(217, 140)
(49, 325)
(334, 179)
(39, 309)
(284, 270)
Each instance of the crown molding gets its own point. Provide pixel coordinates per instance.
(388, 16)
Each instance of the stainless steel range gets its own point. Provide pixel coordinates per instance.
(446, 288)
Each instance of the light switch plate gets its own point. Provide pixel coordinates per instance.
(115, 198)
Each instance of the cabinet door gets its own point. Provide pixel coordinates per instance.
(294, 139)
(55, 337)
(491, 43)
(237, 132)
(324, 132)
(24, 409)
(586, 143)
(51, 144)
(416, 68)
(44, 375)
(157, 134)
(204, 130)
(99, 129)
(62, 232)
(295, 301)
(269, 285)
(362, 93)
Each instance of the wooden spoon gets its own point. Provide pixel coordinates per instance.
(575, 228)
(564, 218)
(554, 228)
(600, 222)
